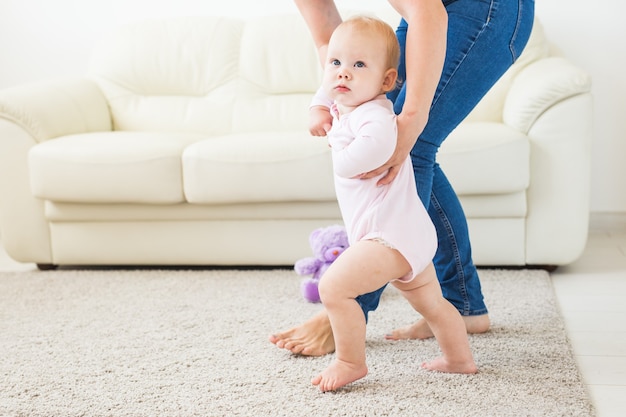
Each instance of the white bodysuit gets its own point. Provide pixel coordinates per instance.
(362, 141)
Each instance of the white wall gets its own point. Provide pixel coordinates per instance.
(43, 39)
(592, 34)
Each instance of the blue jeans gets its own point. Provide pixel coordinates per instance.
(484, 38)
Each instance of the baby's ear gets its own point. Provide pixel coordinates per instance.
(389, 82)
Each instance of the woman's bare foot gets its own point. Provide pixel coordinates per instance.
(421, 330)
(339, 374)
(314, 337)
(440, 364)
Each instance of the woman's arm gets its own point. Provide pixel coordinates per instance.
(425, 53)
(321, 17)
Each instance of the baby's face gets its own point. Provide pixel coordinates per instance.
(355, 68)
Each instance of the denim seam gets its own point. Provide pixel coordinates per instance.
(457, 257)
(480, 32)
(514, 55)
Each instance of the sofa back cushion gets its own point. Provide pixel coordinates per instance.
(279, 72)
(213, 75)
(220, 75)
(171, 75)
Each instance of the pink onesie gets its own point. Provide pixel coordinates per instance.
(361, 141)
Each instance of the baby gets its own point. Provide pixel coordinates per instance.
(392, 238)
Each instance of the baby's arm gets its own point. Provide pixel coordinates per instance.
(320, 119)
(373, 145)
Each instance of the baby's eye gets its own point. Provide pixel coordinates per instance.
(359, 64)
(335, 62)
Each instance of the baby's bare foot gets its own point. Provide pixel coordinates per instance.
(312, 338)
(421, 330)
(339, 374)
(440, 364)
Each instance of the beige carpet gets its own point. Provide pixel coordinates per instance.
(144, 342)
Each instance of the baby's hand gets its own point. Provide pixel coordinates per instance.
(320, 120)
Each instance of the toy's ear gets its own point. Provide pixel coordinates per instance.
(314, 236)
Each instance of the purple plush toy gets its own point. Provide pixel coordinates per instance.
(327, 244)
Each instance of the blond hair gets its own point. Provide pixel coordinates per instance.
(380, 28)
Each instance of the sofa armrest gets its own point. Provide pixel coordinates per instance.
(50, 109)
(551, 102)
(30, 114)
(540, 86)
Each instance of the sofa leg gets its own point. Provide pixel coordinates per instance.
(547, 268)
(47, 267)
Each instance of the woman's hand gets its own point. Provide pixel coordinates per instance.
(409, 128)
(320, 120)
(425, 53)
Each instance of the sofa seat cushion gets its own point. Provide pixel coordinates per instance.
(486, 158)
(258, 167)
(110, 167)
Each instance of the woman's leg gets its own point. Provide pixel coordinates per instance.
(313, 337)
(484, 39)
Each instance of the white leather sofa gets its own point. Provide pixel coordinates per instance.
(186, 144)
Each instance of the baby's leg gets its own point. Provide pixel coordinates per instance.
(424, 294)
(363, 267)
